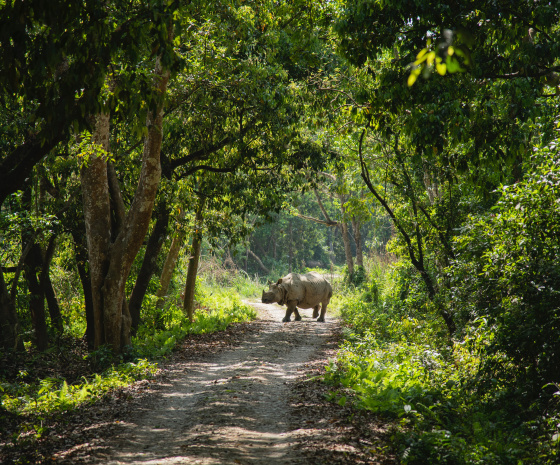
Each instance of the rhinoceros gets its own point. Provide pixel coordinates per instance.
(308, 290)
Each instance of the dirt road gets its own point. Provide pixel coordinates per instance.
(230, 409)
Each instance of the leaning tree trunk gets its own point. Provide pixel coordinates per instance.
(149, 265)
(188, 304)
(52, 305)
(415, 250)
(46, 285)
(259, 261)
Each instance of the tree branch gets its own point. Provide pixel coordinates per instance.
(317, 220)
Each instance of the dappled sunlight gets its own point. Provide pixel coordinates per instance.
(233, 407)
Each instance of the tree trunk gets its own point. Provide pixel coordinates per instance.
(9, 325)
(46, 285)
(290, 248)
(32, 261)
(330, 235)
(346, 237)
(358, 239)
(37, 297)
(97, 218)
(52, 305)
(116, 317)
(149, 265)
(169, 265)
(110, 264)
(81, 253)
(347, 248)
(188, 304)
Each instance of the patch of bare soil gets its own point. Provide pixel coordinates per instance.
(246, 399)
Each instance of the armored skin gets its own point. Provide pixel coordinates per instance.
(310, 290)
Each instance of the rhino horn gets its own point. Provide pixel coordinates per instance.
(279, 281)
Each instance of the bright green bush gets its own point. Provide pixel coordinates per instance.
(218, 307)
(54, 395)
(509, 272)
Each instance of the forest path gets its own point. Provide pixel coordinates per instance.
(233, 407)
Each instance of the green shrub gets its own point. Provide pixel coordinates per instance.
(397, 361)
(511, 256)
(218, 307)
(53, 395)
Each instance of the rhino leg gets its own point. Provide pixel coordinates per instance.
(297, 315)
(316, 311)
(323, 311)
(291, 308)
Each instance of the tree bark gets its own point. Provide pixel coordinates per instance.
(290, 247)
(149, 265)
(128, 242)
(97, 218)
(358, 239)
(347, 248)
(110, 262)
(188, 304)
(346, 237)
(37, 297)
(32, 262)
(332, 256)
(9, 324)
(117, 205)
(52, 305)
(46, 285)
(81, 253)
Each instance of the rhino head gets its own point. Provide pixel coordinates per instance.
(274, 293)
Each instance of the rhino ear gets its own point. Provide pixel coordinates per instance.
(269, 282)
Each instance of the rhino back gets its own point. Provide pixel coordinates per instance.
(294, 286)
(317, 287)
(308, 289)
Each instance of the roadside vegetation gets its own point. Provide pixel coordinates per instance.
(485, 395)
(37, 387)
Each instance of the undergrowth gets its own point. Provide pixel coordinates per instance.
(397, 361)
(217, 309)
(51, 395)
(24, 393)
